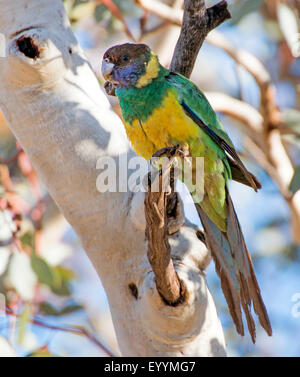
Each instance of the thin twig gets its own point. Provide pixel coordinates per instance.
(197, 23)
(248, 115)
(254, 66)
(163, 11)
(68, 329)
(155, 29)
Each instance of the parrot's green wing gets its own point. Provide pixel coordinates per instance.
(232, 259)
(198, 108)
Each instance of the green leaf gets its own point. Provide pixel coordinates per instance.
(65, 273)
(43, 271)
(23, 320)
(295, 182)
(57, 278)
(242, 9)
(64, 276)
(49, 309)
(28, 239)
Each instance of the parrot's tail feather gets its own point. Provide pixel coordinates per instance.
(231, 295)
(246, 269)
(239, 176)
(234, 266)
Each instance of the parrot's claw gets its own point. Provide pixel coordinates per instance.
(110, 88)
(180, 151)
(171, 153)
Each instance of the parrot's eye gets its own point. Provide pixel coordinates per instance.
(125, 58)
(107, 60)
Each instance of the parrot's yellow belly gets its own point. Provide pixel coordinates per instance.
(167, 125)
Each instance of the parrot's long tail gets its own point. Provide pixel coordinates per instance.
(235, 269)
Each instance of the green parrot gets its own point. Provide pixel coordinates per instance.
(164, 109)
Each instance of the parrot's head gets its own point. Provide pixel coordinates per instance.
(130, 65)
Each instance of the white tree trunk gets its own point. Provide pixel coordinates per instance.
(63, 120)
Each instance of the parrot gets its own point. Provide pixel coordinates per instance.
(161, 109)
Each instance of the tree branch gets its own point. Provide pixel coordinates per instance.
(162, 11)
(197, 23)
(254, 66)
(269, 133)
(81, 331)
(246, 114)
(159, 251)
(265, 147)
(217, 14)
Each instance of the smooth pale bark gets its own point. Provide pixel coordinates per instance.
(63, 120)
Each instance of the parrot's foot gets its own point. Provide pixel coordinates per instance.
(162, 179)
(170, 153)
(180, 151)
(110, 88)
(167, 168)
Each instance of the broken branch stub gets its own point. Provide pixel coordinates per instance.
(160, 205)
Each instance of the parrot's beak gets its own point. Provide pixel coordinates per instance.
(107, 69)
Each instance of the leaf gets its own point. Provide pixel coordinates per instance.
(295, 182)
(57, 278)
(28, 239)
(49, 309)
(64, 277)
(24, 318)
(243, 9)
(65, 273)
(43, 271)
(71, 309)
